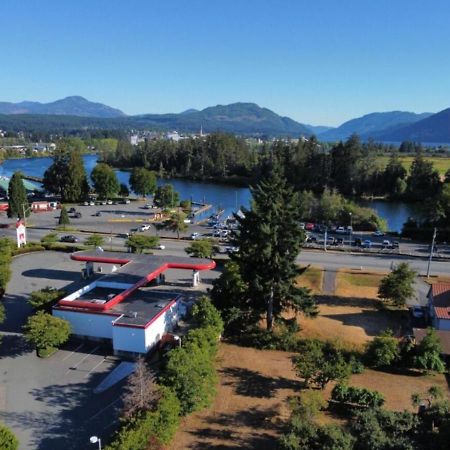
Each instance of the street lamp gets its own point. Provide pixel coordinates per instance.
(177, 339)
(94, 440)
(351, 228)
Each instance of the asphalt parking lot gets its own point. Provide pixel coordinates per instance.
(49, 403)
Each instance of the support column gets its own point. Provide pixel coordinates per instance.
(195, 278)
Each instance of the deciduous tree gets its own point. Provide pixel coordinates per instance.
(398, 286)
(143, 181)
(202, 248)
(8, 440)
(105, 181)
(138, 243)
(176, 223)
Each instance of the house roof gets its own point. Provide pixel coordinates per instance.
(440, 297)
(444, 337)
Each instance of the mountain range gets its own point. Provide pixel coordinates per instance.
(76, 113)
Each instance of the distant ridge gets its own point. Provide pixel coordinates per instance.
(372, 124)
(433, 129)
(69, 106)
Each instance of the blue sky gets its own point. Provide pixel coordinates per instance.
(319, 62)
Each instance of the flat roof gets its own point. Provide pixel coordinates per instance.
(136, 271)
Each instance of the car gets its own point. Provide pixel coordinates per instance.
(302, 225)
(195, 236)
(86, 203)
(91, 203)
(77, 215)
(396, 244)
(340, 230)
(387, 243)
(125, 202)
(309, 226)
(159, 247)
(330, 240)
(231, 249)
(69, 238)
(417, 312)
(378, 233)
(133, 230)
(98, 214)
(367, 243)
(339, 241)
(109, 202)
(144, 227)
(358, 242)
(72, 210)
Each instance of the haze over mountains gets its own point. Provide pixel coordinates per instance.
(76, 112)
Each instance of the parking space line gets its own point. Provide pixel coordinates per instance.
(70, 354)
(104, 409)
(97, 365)
(79, 362)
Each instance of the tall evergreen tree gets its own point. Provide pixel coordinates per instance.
(64, 217)
(75, 187)
(269, 241)
(18, 202)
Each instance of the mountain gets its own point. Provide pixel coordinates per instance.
(433, 129)
(372, 124)
(318, 129)
(75, 113)
(69, 106)
(238, 118)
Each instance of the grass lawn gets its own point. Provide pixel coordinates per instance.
(312, 278)
(353, 283)
(440, 164)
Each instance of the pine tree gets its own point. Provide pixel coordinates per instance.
(269, 241)
(18, 202)
(76, 187)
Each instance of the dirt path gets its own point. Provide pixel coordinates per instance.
(250, 406)
(329, 282)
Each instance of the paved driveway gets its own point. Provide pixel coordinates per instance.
(49, 404)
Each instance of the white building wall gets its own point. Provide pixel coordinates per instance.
(85, 324)
(128, 339)
(77, 294)
(164, 323)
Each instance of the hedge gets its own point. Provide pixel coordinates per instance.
(361, 397)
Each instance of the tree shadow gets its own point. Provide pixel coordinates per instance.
(225, 431)
(14, 345)
(252, 384)
(17, 311)
(355, 302)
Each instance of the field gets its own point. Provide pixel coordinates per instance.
(440, 164)
(251, 404)
(353, 283)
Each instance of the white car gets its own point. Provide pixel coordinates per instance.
(144, 227)
(91, 203)
(160, 247)
(340, 230)
(195, 236)
(378, 233)
(109, 202)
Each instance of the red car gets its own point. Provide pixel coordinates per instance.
(309, 226)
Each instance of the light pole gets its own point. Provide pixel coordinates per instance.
(351, 228)
(431, 253)
(94, 440)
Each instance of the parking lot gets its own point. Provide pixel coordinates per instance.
(49, 403)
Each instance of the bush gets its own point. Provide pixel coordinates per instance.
(362, 397)
(206, 315)
(45, 298)
(8, 440)
(157, 426)
(383, 351)
(428, 353)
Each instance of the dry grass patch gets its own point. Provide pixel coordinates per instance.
(436, 279)
(353, 283)
(350, 320)
(251, 405)
(312, 278)
(398, 388)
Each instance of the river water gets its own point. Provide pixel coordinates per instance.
(226, 197)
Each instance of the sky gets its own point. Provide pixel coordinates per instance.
(320, 62)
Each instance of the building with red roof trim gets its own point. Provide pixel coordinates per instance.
(439, 305)
(128, 306)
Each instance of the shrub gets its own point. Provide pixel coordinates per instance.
(206, 315)
(362, 397)
(383, 351)
(428, 353)
(8, 440)
(45, 298)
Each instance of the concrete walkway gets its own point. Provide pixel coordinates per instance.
(329, 282)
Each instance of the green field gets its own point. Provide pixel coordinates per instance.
(442, 164)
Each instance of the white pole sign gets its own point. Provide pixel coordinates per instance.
(21, 233)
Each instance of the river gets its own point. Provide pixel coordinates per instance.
(221, 196)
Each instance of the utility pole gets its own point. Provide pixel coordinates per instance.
(325, 236)
(431, 252)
